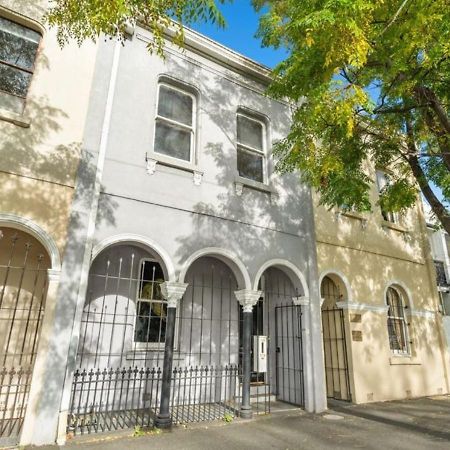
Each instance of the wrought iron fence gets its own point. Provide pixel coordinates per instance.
(113, 399)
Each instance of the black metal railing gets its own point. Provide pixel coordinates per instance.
(113, 399)
(204, 393)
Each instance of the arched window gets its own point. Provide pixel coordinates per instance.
(396, 322)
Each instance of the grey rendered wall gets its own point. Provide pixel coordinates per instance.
(167, 206)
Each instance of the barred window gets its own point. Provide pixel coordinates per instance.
(175, 123)
(396, 322)
(250, 148)
(151, 308)
(18, 50)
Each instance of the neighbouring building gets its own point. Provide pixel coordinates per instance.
(440, 244)
(44, 96)
(182, 279)
(382, 326)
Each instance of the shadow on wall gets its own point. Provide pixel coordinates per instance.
(369, 276)
(38, 176)
(253, 221)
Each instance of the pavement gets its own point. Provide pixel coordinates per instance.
(415, 424)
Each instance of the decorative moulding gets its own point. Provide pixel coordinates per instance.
(53, 274)
(151, 165)
(301, 300)
(198, 176)
(239, 188)
(423, 313)
(172, 292)
(248, 298)
(362, 306)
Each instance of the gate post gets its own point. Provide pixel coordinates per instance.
(172, 292)
(247, 298)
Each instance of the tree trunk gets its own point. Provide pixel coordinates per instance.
(413, 161)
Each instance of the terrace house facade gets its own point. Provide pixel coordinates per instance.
(181, 278)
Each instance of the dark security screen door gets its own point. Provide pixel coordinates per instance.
(289, 360)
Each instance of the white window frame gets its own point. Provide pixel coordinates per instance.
(147, 345)
(253, 150)
(392, 217)
(407, 350)
(192, 129)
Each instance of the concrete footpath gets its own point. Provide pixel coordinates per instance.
(411, 424)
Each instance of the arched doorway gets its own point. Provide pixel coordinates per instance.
(334, 339)
(277, 344)
(24, 263)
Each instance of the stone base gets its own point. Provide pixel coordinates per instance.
(163, 421)
(245, 413)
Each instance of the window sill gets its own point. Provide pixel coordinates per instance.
(354, 216)
(393, 226)
(240, 182)
(14, 118)
(404, 360)
(153, 159)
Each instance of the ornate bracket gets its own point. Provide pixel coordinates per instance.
(172, 292)
(247, 298)
(198, 177)
(151, 165)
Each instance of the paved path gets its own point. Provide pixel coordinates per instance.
(420, 424)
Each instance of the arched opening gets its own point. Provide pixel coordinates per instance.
(121, 346)
(333, 290)
(24, 263)
(277, 353)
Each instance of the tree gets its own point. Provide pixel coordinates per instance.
(371, 82)
(88, 19)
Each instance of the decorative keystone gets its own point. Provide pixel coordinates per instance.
(247, 298)
(173, 292)
(300, 300)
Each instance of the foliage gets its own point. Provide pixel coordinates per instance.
(371, 81)
(88, 19)
(228, 418)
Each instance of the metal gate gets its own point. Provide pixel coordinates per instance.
(289, 358)
(334, 343)
(23, 287)
(117, 383)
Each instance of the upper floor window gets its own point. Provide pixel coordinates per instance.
(383, 181)
(175, 123)
(18, 50)
(396, 322)
(151, 308)
(250, 148)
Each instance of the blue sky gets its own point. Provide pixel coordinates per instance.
(239, 35)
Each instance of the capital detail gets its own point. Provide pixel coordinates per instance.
(247, 298)
(172, 292)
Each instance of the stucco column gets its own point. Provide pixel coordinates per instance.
(39, 385)
(247, 298)
(315, 355)
(172, 292)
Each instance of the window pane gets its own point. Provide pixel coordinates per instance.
(19, 44)
(249, 132)
(172, 141)
(151, 321)
(14, 81)
(175, 105)
(250, 165)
